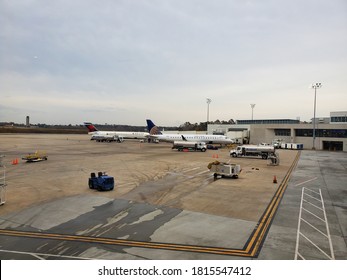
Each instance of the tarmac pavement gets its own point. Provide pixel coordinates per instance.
(316, 170)
(166, 205)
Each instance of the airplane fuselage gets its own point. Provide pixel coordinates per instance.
(123, 134)
(209, 139)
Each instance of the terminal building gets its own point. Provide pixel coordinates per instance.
(331, 132)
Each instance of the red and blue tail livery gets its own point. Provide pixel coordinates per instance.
(90, 126)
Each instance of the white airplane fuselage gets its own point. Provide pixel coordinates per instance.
(209, 139)
(123, 134)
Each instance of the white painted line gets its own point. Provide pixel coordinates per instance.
(325, 221)
(314, 215)
(301, 256)
(203, 172)
(307, 189)
(313, 205)
(46, 255)
(36, 256)
(312, 226)
(309, 240)
(298, 230)
(312, 197)
(192, 169)
(327, 227)
(305, 182)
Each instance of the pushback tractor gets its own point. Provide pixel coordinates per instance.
(102, 182)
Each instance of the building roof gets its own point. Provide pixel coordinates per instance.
(268, 121)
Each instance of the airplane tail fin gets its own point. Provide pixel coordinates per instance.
(90, 126)
(152, 128)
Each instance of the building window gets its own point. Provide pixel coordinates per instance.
(282, 132)
(341, 119)
(333, 133)
(271, 121)
(304, 132)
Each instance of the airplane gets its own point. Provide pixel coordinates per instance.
(207, 138)
(100, 135)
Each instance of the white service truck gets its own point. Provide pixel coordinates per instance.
(189, 146)
(253, 150)
(224, 169)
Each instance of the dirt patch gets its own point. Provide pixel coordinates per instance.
(148, 173)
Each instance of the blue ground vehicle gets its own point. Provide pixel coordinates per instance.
(101, 183)
(212, 147)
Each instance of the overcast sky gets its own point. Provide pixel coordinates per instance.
(122, 61)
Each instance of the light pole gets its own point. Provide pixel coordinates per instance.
(208, 100)
(252, 106)
(315, 86)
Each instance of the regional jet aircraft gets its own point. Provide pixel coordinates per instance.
(97, 134)
(207, 138)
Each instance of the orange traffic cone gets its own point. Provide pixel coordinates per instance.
(275, 180)
(15, 161)
(216, 155)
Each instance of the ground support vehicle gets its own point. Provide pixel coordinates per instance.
(224, 169)
(189, 146)
(102, 182)
(292, 146)
(109, 138)
(277, 143)
(252, 150)
(37, 156)
(212, 147)
(274, 159)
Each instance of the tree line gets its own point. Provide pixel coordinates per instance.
(202, 126)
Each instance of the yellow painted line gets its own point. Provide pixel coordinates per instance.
(259, 235)
(121, 242)
(251, 250)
